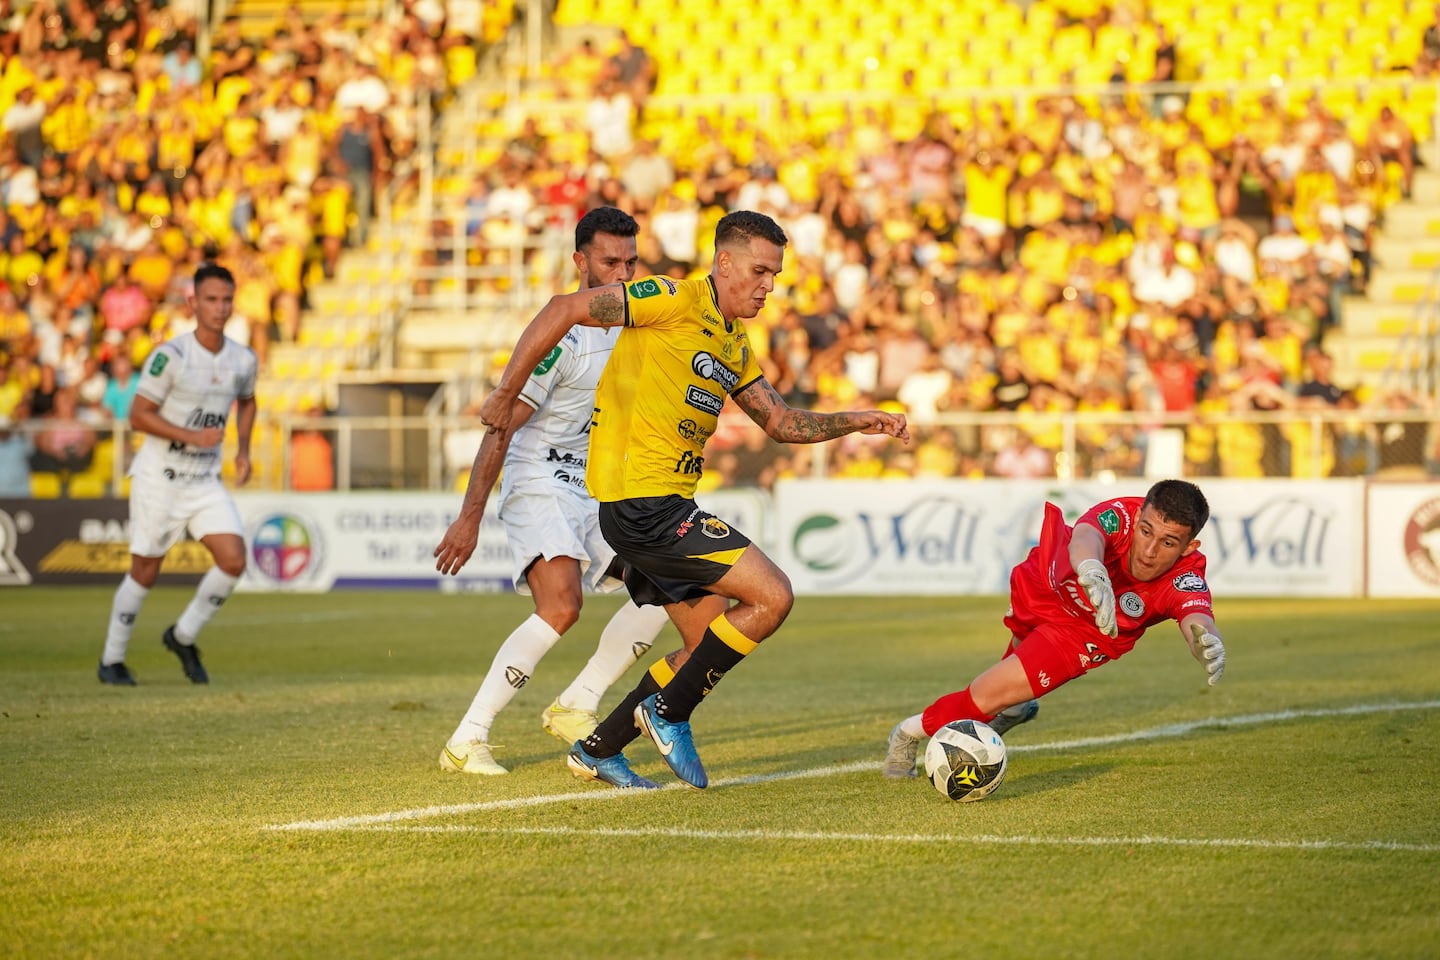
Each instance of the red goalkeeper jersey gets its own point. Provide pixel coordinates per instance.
(1044, 588)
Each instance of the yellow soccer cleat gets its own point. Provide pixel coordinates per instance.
(567, 724)
(472, 757)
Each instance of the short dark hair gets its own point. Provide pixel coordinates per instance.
(1179, 501)
(209, 270)
(610, 220)
(745, 225)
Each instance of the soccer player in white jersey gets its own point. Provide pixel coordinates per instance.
(551, 521)
(187, 389)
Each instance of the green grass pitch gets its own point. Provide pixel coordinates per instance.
(294, 807)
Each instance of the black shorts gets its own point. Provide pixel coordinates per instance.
(673, 550)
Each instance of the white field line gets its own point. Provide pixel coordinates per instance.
(262, 619)
(968, 840)
(371, 820)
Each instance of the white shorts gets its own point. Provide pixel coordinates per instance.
(550, 526)
(984, 226)
(161, 510)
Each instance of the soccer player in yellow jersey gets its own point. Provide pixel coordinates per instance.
(682, 351)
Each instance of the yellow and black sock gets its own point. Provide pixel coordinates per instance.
(618, 728)
(719, 650)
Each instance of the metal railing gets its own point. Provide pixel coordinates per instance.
(434, 452)
(1415, 365)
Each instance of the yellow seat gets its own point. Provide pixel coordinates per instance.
(89, 485)
(45, 485)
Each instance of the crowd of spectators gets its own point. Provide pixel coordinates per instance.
(125, 160)
(1128, 252)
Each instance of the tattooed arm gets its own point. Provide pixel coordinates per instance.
(789, 424)
(594, 307)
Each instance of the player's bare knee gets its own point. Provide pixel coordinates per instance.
(233, 566)
(781, 596)
(560, 612)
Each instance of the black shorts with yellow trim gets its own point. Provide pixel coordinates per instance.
(673, 550)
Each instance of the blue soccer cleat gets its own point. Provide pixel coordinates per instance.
(674, 742)
(612, 770)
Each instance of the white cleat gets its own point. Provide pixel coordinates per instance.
(472, 757)
(567, 724)
(900, 755)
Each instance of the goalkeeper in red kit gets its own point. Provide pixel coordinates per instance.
(1082, 598)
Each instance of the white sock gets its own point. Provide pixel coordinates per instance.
(129, 598)
(215, 588)
(514, 662)
(625, 639)
(914, 726)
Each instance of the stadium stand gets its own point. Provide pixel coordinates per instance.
(1113, 207)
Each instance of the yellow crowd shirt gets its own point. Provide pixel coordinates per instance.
(661, 393)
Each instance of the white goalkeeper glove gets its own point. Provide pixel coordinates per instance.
(1211, 651)
(1096, 581)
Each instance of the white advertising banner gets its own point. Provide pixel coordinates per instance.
(325, 541)
(1265, 538)
(1285, 538)
(1404, 542)
(314, 542)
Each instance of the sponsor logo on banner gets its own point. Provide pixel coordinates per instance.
(932, 533)
(12, 571)
(80, 541)
(285, 549)
(1285, 533)
(102, 545)
(1422, 541)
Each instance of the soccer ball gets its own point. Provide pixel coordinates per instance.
(965, 760)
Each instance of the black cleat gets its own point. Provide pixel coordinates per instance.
(189, 657)
(116, 673)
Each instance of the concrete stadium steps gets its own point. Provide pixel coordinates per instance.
(1370, 343)
(1362, 317)
(1413, 220)
(1410, 237)
(1407, 253)
(1367, 360)
(1406, 286)
(448, 340)
(1425, 188)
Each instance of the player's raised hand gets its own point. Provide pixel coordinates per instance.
(1210, 651)
(456, 546)
(890, 424)
(1096, 580)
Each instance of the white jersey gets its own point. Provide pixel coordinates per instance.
(195, 389)
(550, 450)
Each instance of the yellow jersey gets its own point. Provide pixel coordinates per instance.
(660, 395)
